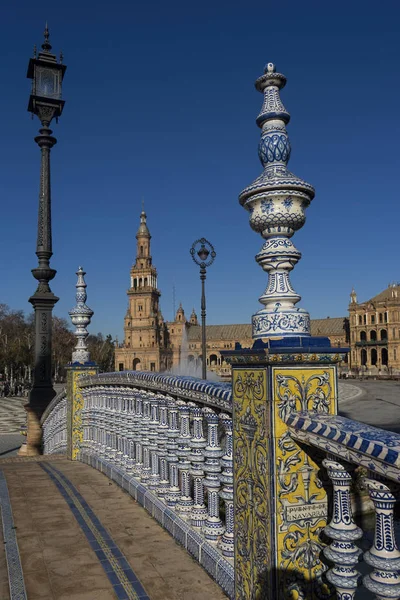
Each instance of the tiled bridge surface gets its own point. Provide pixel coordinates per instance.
(81, 537)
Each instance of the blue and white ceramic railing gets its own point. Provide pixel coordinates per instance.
(173, 455)
(352, 443)
(54, 422)
(168, 441)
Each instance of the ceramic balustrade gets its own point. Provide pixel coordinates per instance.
(353, 444)
(173, 447)
(55, 426)
(181, 451)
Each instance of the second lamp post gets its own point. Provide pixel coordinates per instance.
(203, 254)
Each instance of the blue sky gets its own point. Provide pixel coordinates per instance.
(160, 104)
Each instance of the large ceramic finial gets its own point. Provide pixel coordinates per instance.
(81, 316)
(277, 200)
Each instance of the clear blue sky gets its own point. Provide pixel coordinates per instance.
(160, 104)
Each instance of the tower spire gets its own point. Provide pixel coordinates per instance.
(277, 200)
(46, 44)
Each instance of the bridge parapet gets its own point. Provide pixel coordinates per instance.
(168, 441)
(54, 422)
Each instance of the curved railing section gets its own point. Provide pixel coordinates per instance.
(168, 441)
(209, 393)
(351, 444)
(54, 424)
(173, 455)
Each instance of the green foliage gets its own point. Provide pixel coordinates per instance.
(17, 342)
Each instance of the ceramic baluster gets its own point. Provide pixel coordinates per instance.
(226, 543)
(162, 440)
(173, 492)
(154, 479)
(137, 435)
(198, 442)
(342, 552)
(213, 526)
(384, 555)
(146, 470)
(185, 501)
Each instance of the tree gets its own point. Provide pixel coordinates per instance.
(17, 339)
(102, 351)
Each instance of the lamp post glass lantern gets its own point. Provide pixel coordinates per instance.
(45, 102)
(203, 254)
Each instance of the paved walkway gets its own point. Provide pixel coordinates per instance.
(81, 537)
(377, 404)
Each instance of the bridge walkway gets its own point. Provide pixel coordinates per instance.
(81, 537)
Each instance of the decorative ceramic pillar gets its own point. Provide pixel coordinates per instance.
(226, 543)
(276, 201)
(162, 440)
(280, 505)
(137, 436)
(81, 366)
(384, 556)
(154, 479)
(213, 526)
(198, 442)
(174, 492)
(343, 552)
(145, 442)
(185, 501)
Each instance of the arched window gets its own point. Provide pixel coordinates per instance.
(372, 319)
(374, 356)
(380, 318)
(384, 355)
(213, 359)
(372, 335)
(383, 334)
(359, 319)
(136, 364)
(363, 357)
(363, 336)
(141, 250)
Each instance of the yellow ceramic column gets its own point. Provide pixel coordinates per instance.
(75, 406)
(280, 502)
(81, 366)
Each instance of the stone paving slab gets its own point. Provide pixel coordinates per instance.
(57, 558)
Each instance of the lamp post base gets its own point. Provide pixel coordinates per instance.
(34, 434)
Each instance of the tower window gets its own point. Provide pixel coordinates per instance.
(141, 250)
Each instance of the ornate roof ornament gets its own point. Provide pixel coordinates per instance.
(81, 315)
(277, 200)
(46, 44)
(143, 230)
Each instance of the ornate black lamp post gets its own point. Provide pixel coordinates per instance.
(203, 254)
(45, 102)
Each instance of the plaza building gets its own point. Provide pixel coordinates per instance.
(375, 331)
(152, 344)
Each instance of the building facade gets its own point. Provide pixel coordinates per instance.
(151, 344)
(375, 331)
